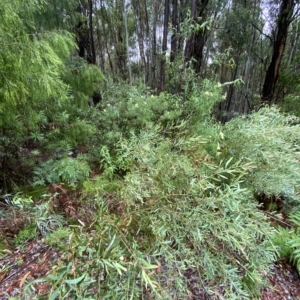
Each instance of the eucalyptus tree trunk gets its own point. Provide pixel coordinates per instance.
(285, 16)
(148, 40)
(100, 45)
(127, 43)
(106, 35)
(175, 28)
(154, 46)
(294, 43)
(85, 39)
(92, 56)
(164, 46)
(195, 45)
(140, 20)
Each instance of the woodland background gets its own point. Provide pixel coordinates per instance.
(154, 143)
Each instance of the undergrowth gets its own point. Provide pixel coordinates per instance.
(175, 211)
(288, 241)
(175, 194)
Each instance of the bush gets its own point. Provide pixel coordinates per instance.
(178, 212)
(67, 170)
(270, 140)
(287, 241)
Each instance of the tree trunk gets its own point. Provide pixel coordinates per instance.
(283, 22)
(85, 41)
(164, 46)
(127, 43)
(92, 56)
(140, 28)
(154, 48)
(175, 28)
(195, 44)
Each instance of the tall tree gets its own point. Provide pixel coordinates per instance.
(195, 44)
(142, 28)
(126, 39)
(85, 38)
(175, 29)
(285, 17)
(164, 45)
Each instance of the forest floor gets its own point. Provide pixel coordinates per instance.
(35, 259)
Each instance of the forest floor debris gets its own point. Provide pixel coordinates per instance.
(36, 259)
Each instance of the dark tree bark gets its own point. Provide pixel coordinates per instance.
(85, 40)
(175, 28)
(195, 45)
(82, 33)
(285, 17)
(154, 48)
(141, 20)
(92, 58)
(164, 46)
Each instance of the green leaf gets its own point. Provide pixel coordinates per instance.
(75, 281)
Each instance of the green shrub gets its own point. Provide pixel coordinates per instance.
(67, 170)
(28, 233)
(179, 211)
(270, 140)
(59, 237)
(294, 240)
(124, 110)
(287, 241)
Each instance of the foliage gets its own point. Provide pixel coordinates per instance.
(21, 201)
(39, 219)
(124, 110)
(270, 140)
(83, 79)
(287, 240)
(111, 270)
(43, 105)
(59, 237)
(67, 169)
(176, 210)
(172, 192)
(290, 102)
(31, 63)
(294, 241)
(28, 233)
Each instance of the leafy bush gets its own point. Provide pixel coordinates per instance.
(67, 170)
(287, 240)
(44, 93)
(177, 212)
(59, 237)
(270, 140)
(294, 240)
(127, 109)
(28, 233)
